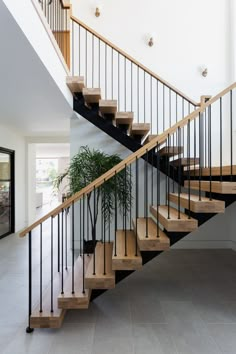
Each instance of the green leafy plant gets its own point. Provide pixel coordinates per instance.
(88, 165)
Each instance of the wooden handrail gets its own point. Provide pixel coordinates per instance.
(129, 57)
(128, 160)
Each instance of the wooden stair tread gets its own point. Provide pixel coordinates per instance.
(92, 95)
(152, 243)
(184, 224)
(198, 206)
(108, 106)
(131, 261)
(150, 137)
(140, 128)
(215, 171)
(184, 161)
(48, 319)
(216, 186)
(171, 150)
(75, 83)
(101, 280)
(124, 119)
(78, 300)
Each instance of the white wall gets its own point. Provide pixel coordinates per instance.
(13, 140)
(188, 34)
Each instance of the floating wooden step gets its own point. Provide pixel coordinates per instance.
(171, 151)
(156, 240)
(215, 171)
(174, 224)
(75, 83)
(216, 186)
(198, 206)
(78, 300)
(46, 318)
(92, 95)
(184, 161)
(108, 107)
(130, 261)
(124, 121)
(139, 131)
(101, 279)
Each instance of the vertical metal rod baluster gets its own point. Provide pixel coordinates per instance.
(210, 152)
(104, 229)
(52, 263)
(41, 269)
(158, 189)
(66, 236)
(73, 248)
(112, 73)
(168, 176)
(231, 135)
(125, 98)
(195, 148)
(115, 236)
(79, 54)
(170, 117)
(29, 329)
(179, 170)
(131, 86)
(163, 108)
(144, 95)
(151, 104)
(146, 191)
(173, 170)
(92, 60)
(86, 58)
(94, 231)
(157, 108)
(182, 118)
(62, 251)
(58, 243)
(83, 217)
(118, 82)
(99, 63)
(188, 162)
(87, 219)
(80, 228)
(136, 204)
(105, 71)
(205, 158)
(221, 147)
(130, 197)
(125, 212)
(138, 93)
(152, 175)
(200, 157)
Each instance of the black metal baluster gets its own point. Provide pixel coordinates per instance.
(125, 82)
(163, 108)
(130, 196)
(146, 192)
(92, 60)
(52, 264)
(73, 248)
(105, 71)
(138, 93)
(80, 228)
(188, 162)
(152, 177)
(118, 82)
(99, 63)
(62, 251)
(170, 117)
(79, 54)
(158, 189)
(83, 223)
(144, 95)
(29, 329)
(157, 108)
(231, 135)
(151, 103)
(125, 212)
(131, 86)
(179, 170)
(66, 237)
(86, 58)
(41, 269)
(210, 156)
(73, 54)
(221, 140)
(168, 176)
(112, 73)
(115, 253)
(200, 157)
(94, 231)
(104, 229)
(58, 243)
(136, 204)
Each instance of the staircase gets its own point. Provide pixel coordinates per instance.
(199, 182)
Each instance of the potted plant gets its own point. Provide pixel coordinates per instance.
(88, 165)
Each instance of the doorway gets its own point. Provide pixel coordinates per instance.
(7, 189)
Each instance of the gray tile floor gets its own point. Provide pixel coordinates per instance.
(182, 302)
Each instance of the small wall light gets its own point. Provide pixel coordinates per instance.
(97, 11)
(205, 72)
(151, 42)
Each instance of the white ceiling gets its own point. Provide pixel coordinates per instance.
(29, 98)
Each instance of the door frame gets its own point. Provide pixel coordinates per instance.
(11, 153)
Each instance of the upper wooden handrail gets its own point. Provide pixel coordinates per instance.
(129, 57)
(65, 4)
(128, 160)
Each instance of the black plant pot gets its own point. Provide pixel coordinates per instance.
(89, 246)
